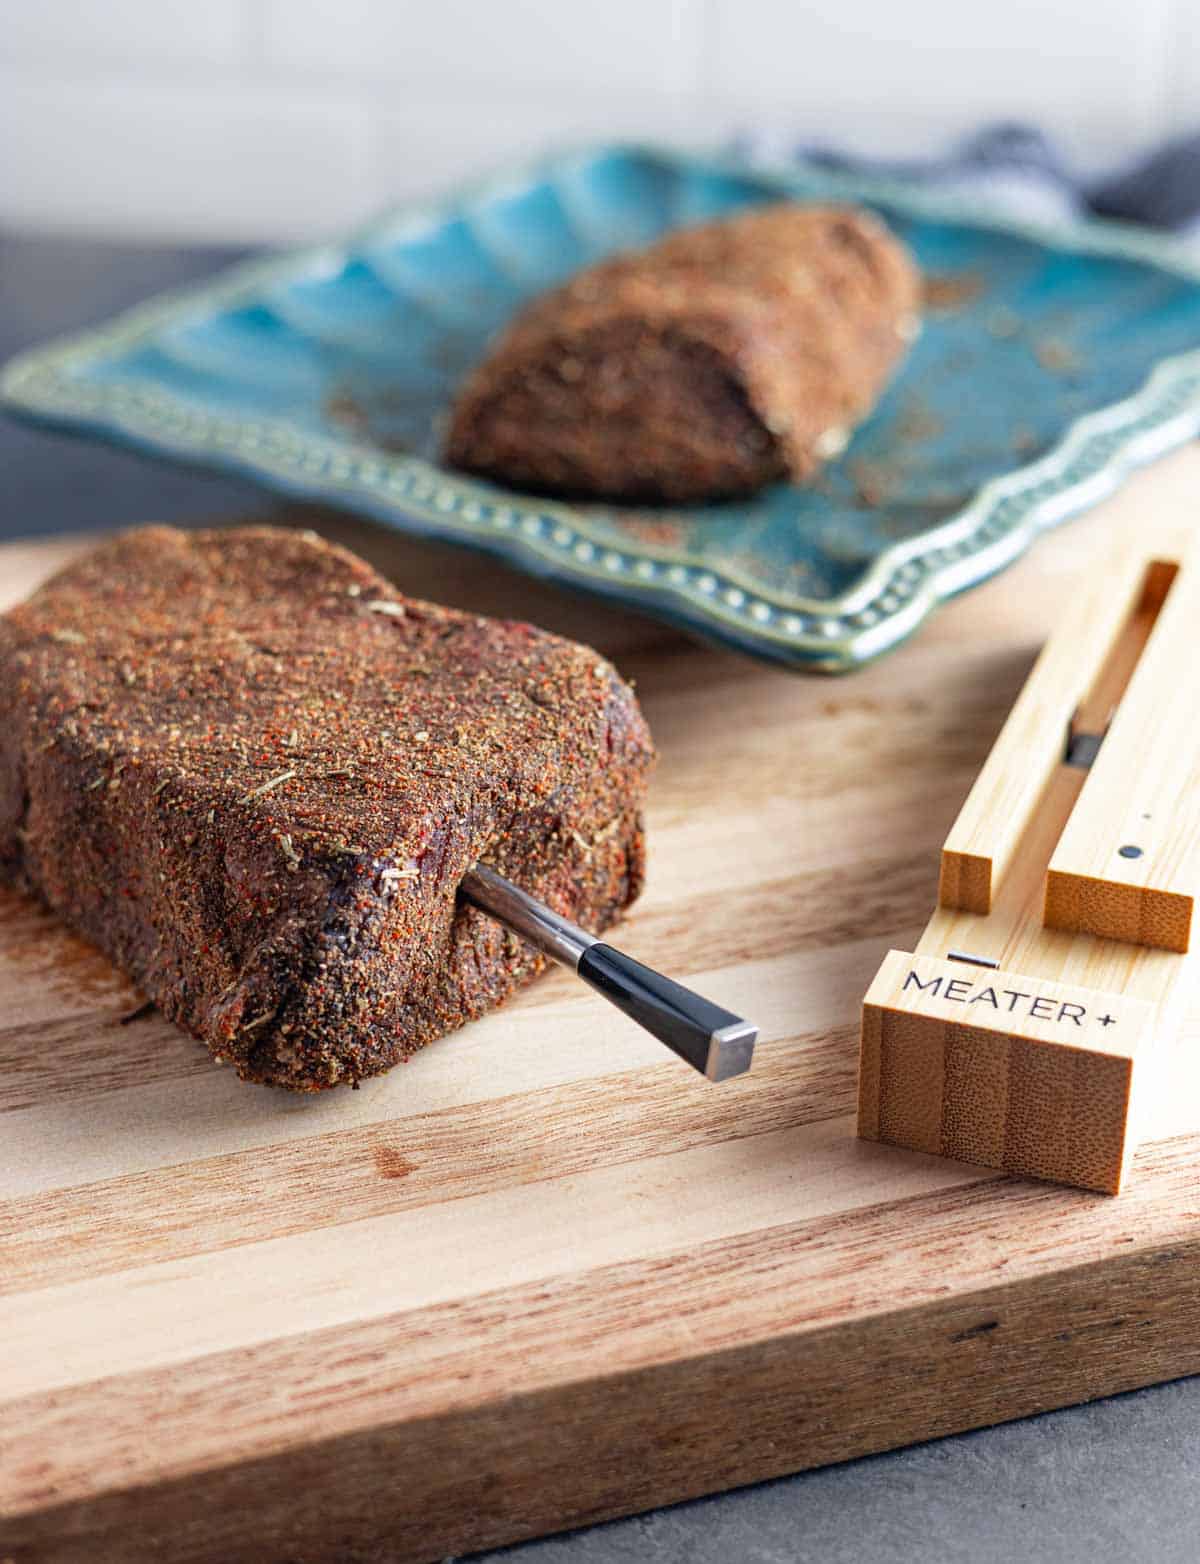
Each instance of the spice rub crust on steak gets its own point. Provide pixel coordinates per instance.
(718, 360)
(254, 774)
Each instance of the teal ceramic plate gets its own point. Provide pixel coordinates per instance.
(1050, 365)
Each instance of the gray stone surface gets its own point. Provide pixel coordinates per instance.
(1113, 1481)
(49, 483)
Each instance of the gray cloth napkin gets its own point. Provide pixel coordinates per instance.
(1019, 171)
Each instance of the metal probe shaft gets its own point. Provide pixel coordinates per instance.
(712, 1040)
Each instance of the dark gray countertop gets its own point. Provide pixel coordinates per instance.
(1112, 1481)
(49, 484)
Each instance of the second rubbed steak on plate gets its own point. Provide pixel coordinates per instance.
(718, 360)
(254, 775)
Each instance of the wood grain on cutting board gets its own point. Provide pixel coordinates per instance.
(544, 1274)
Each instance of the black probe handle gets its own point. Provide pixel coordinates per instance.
(711, 1039)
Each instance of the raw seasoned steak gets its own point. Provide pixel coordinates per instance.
(720, 359)
(254, 774)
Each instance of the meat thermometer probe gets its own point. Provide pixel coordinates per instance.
(713, 1041)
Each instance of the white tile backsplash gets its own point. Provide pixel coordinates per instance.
(1183, 71)
(424, 147)
(556, 46)
(193, 161)
(903, 76)
(273, 119)
(45, 34)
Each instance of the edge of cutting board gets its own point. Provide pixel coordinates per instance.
(500, 1466)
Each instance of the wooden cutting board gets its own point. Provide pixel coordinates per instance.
(544, 1274)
